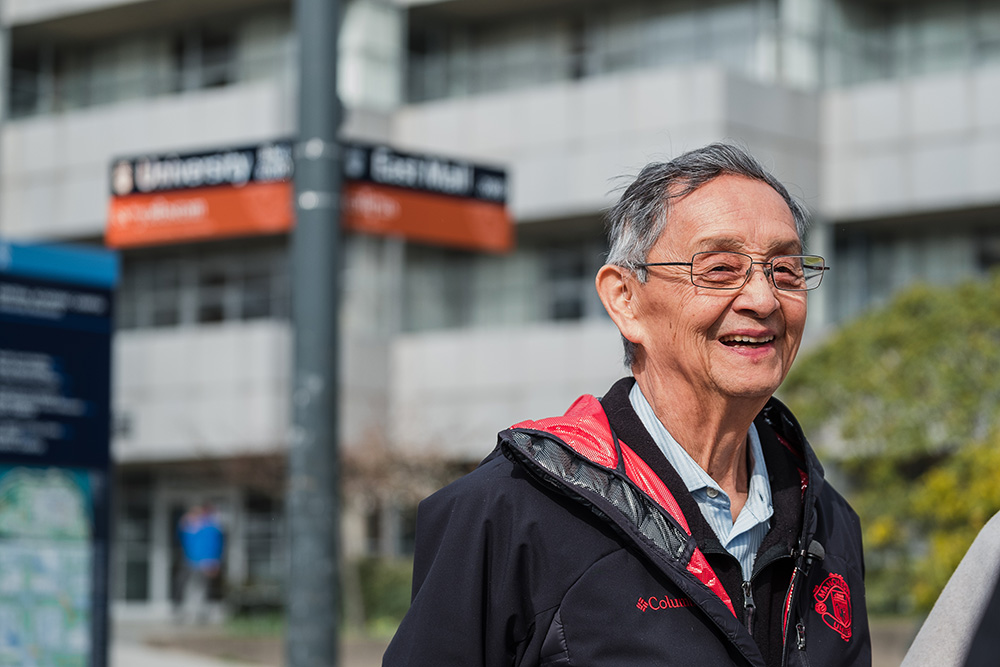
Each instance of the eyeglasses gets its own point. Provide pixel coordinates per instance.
(731, 270)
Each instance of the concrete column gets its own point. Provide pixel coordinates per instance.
(159, 557)
(819, 241)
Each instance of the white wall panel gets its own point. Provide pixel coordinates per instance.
(201, 391)
(912, 145)
(27, 11)
(452, 392)
(985, 99)
(984, 166)
(941, 106)
(222, 390)
(660, 98)
(941, 174)
(877, 113)
(878, 177)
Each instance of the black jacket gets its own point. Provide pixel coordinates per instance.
(576, 543)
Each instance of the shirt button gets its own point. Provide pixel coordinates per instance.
(712, 492)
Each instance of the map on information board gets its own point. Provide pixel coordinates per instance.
(46, 559)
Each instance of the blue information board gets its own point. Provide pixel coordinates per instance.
(56, 321)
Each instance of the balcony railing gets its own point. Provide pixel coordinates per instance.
(765, 53)
(45, 90)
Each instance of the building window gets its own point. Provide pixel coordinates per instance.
(453, 59)
(265, 541)
(408, 530)
(570, 284)
(373, 530)
(838, 43)
(47, 78)
(390, 529)
(437, 288)
(205, 57)
(869, 41)
(540, 281)
(164, 280)
(25, 82)
(177, 288)
(989, 252)
(214, 279)
(873, 265)
(133, 541)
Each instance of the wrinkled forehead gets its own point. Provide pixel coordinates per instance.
(775, 246)
(728, 213)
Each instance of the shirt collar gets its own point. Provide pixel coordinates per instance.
(692, 474)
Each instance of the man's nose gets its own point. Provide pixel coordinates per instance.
(758, 294)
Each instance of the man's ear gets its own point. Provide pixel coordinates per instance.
(616, 286)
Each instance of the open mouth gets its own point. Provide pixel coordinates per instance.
(746, 341)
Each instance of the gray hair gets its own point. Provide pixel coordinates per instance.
(637, 220)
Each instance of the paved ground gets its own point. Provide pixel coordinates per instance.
(890, 640)
(164, 645)
(140, 655)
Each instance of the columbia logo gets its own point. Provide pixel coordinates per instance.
(662, 603)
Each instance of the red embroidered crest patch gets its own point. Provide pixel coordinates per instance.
(833, 604)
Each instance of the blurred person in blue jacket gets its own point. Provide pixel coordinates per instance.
(202, 542)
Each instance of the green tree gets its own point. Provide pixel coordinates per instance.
(904, 400)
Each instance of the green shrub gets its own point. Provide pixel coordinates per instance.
(385, 589)
(908, 395)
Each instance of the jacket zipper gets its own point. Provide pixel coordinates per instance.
(806, 558)
(748, 605)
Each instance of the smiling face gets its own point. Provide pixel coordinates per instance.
(723, 343)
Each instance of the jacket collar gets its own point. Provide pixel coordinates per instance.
(792, 467)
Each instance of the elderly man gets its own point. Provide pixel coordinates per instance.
(682, 519)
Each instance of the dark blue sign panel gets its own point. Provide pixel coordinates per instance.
(55, 359)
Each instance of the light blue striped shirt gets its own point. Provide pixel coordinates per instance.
(742, 538)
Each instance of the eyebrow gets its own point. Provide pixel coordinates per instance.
(736, 245)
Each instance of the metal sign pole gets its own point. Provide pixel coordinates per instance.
(6, 79)
(313, 509)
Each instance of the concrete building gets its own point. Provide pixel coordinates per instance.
(881, 114)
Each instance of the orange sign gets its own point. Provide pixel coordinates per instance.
(245, 191)
(197, 214)
(426, 217)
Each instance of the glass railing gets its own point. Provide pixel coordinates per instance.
(441, 75)
(802, 60)
(37, 92)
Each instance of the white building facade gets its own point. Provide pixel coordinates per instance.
(882, 115)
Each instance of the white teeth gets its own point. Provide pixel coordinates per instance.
(747, 339)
